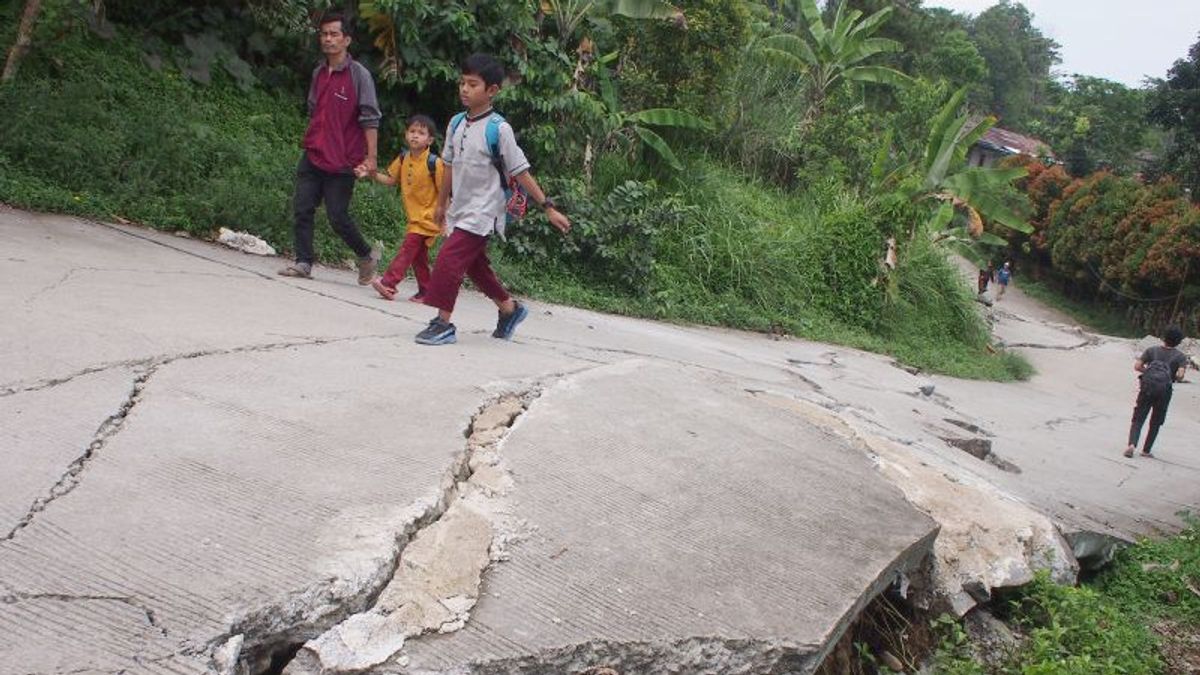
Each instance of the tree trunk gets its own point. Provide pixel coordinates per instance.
(24, 38)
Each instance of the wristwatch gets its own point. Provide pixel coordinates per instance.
(549, 203)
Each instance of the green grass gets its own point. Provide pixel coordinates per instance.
(90, 130)
(1102, 627)
(149, 146)
(1094, 317)
(1152, 579)
(749, 256)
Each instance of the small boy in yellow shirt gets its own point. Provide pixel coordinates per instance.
(417, 174)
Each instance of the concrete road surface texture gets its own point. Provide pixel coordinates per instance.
(209, 468)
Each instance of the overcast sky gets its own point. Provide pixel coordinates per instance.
(1122, 40)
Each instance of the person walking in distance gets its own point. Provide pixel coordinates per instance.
(1003, 279)
(1160, 367)
(339, 144)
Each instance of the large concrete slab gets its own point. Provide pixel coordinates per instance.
(681, 525)
(248, 455)
(254, 492)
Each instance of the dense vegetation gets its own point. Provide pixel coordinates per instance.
(783, 167)
(1140, 615)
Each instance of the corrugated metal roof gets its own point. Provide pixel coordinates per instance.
(1014, 143)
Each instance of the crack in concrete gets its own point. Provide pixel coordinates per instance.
(1078, 419)
(151, 619)
(38, 385)
(438, 577)
(72, 271)
(71, 478)
(256, 637)
(62, 280)
(1063, 348)
(111, 425)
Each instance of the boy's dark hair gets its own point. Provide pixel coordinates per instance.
(1173, 336)
(423, 121)
(330, 17)
(484, 66)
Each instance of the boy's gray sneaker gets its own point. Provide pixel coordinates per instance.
(438, 332)
(367, 267)
(506, 325)
(299, 270)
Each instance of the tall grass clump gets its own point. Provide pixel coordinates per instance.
(90, 129)
(932, 321)
(794, 262)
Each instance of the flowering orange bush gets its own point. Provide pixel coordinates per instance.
(1110, 237)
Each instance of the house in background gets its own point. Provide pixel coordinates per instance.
(999, 143)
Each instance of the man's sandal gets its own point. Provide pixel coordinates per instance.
(295, 271)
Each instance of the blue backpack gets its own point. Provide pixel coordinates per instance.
(516, 200)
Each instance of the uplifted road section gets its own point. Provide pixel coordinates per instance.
(209, 468)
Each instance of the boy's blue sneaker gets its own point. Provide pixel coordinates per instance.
(438, 332)
(507, 325)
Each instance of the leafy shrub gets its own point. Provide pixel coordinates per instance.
(1117, 241)
(151, 146)
(682, 64)
(613, 238)
(1067, 631)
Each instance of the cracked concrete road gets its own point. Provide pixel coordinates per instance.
(205, 466)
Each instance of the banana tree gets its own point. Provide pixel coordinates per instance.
(620, 125)
(967, 191)
(827, 54)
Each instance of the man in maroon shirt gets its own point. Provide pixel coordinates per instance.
(343, 126)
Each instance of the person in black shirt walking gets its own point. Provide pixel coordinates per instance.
(1160, 366)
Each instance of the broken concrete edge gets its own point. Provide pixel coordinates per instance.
(914, 562)
(1026, 542)
(707, 654)
(312, 617)
(1094, 550)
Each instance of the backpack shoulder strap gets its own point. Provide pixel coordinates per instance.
(455, 122)
(492, 134)
(431, 162)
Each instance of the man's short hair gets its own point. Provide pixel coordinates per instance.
(330, 17)
(1173, 336)
(484, 66)
(422, 121)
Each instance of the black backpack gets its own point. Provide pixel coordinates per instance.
(1156, 379)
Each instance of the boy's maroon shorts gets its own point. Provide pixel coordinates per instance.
(463, 254)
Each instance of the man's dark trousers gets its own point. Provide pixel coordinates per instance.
(312, 186)
(1156, 408)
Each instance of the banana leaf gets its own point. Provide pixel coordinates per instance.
(670, 117)
(657, 144)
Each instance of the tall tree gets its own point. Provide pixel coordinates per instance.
(24, 39)
(1019, 59)
(829, 54)
(1096, 123)
(1175, 105)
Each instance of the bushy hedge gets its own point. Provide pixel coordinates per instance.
(1120, 241)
